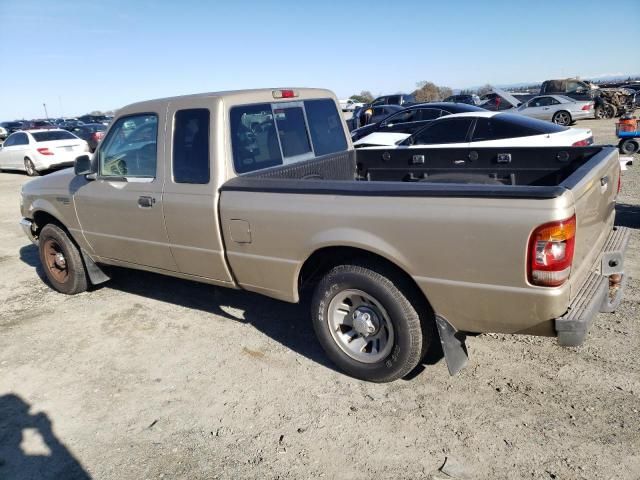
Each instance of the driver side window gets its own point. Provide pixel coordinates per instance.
(129, 150)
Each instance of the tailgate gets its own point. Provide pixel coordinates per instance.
(594, 187)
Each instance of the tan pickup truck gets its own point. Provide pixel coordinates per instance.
(262, 190)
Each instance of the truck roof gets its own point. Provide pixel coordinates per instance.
(236, 96)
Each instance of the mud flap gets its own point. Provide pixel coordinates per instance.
(96, 274)
(453, 345)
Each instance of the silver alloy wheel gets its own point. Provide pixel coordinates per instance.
(360, 326)
(28, 166)
(562, 118)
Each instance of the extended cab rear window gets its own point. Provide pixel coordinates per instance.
(270, 134)
(51, 136)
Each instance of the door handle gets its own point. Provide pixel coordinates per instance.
(146, 202)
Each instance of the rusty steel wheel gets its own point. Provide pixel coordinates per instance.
(61, 260)
(55, 261)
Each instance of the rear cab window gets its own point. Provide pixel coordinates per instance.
(271, 134)
(191, 146)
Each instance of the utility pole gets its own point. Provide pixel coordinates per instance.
(46, 115)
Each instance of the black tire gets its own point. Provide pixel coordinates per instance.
(629, 146)
(30, 168)
(68, 274)
(562, 117)
(410, 338)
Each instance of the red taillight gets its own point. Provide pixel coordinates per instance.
(583, 143)
(44, 151)
(284, 93)
(587, 107)
(551, 252)
(97, 136)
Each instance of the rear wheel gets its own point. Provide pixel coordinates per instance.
(562, 118)
(629, 146)
(366, 322)
(61, 260)
(605, 110)
(30, 168)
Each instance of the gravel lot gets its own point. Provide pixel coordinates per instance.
(151, 377)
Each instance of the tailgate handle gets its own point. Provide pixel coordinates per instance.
(604, 181)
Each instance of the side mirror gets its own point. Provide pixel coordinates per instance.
(82, 165)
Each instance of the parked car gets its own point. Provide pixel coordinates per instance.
(95, 119)
(350, 105)
(11, 127)
(395, 99)
(33, 151)
(41, 125)
(499, 100)
(91, 133)
(557, 109)
(470, 99)
(484, 129)
(412, 119)
(393, 250)
(369, 114)
(70, 124)
(609, 102)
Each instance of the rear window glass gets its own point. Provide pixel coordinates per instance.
(292, 131)
(266, 135)
(191, 146)
(325, 123)
(53, 135)
(511, 126)
(443, 131)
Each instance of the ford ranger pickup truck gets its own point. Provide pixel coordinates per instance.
(262, 190)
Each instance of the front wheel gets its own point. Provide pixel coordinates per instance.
(562, 118)
(61, 260)
(30, 168)
(366, 324)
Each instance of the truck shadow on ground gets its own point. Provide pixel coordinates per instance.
(288, 324)
(28, 447)
(628, 215)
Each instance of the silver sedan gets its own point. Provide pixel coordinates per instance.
(557, 109)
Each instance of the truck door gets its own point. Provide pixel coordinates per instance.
(190, 191)
(120, 212)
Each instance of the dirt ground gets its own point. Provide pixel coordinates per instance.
(151, 377)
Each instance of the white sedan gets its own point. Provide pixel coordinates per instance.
(483, 129)
(33, 151)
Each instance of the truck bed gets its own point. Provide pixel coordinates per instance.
(468, 172)
(452, 247)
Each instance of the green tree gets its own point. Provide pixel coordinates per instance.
(365, 96)
(430, 92)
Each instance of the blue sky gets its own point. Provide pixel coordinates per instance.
(79, 55)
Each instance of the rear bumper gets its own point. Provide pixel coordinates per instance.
(598, 294)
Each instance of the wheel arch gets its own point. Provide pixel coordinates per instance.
(325, 258)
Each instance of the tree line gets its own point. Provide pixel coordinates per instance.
(425, 92)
